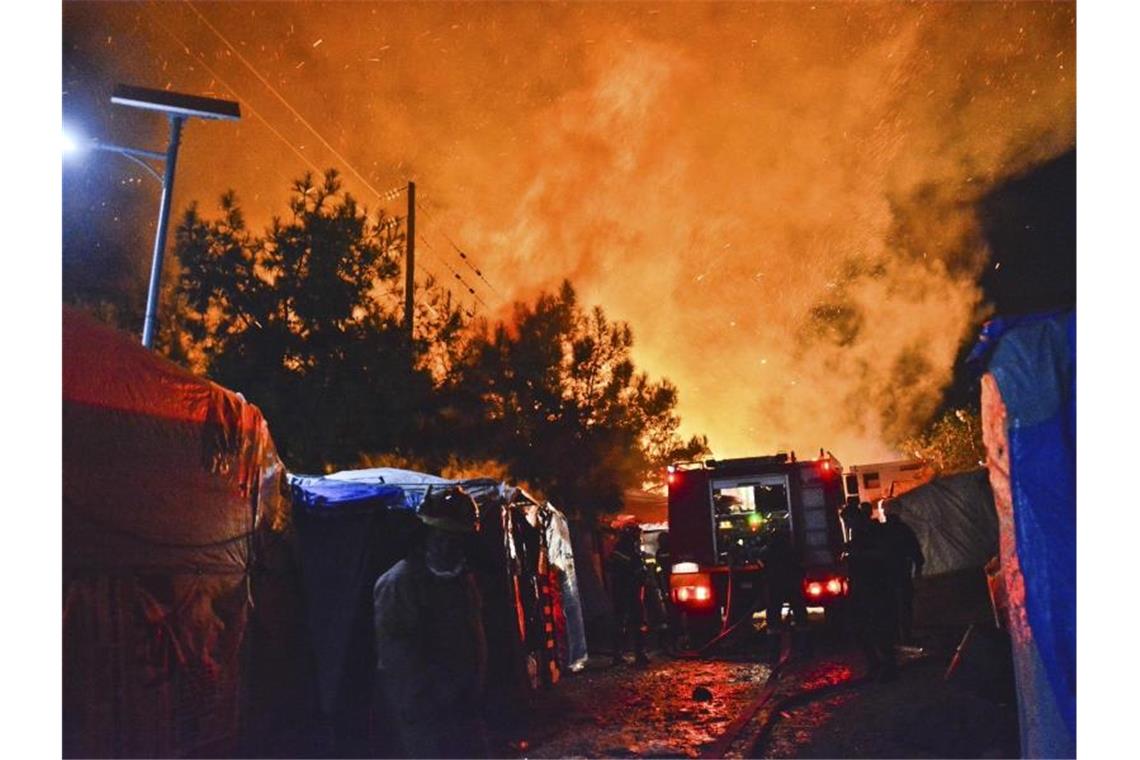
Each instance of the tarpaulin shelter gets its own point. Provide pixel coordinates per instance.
(354, 525)
(954, 520)
(1029, 427)
(169, 483)
(347, 534)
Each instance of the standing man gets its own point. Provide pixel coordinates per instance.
(430, 646)
(627, 589)
(871, 599)
(671, 626)
(784, 576)
(907, 560)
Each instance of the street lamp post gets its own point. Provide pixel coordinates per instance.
(178, 107)
(150, 321)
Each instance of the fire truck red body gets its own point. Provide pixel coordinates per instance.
(721, 516)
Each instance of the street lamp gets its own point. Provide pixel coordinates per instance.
(178, 107)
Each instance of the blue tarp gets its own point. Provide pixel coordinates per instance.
(1034, 363)
(415, 485)
(347, 533)
(323, 494)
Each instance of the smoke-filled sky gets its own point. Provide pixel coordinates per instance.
(776, 197)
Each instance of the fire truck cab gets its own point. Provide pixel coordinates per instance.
(722, 514)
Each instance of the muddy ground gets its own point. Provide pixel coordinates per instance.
(921, 714)
(662, 710)
(917, 716)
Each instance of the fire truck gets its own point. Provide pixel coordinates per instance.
(723, 513)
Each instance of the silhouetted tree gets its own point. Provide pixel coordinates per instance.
(305, 321)
(950, 443)
(556, 397)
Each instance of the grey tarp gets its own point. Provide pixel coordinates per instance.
(955, 521)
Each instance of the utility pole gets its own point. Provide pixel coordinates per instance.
(410, 262)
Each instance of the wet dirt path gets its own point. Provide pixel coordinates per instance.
(673, 708)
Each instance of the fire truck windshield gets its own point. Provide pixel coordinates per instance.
(747, 511)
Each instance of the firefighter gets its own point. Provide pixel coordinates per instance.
(430, 646)
(784, 578)
(627, 576)
(907, 560)
(848, 517)
(671, 624)
(871, 595)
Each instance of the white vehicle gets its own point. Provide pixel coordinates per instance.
(886, 480)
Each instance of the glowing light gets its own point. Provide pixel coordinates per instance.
(683, 568)
(815, 589)
(693, 594)
(834, 586)
(70, 143)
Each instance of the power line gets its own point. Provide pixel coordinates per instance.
(466, 257)
(387, 195)
(382, 196)
(458, 276)
(284, 102)
(231, 88)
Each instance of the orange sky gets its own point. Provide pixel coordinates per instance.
(775, 196)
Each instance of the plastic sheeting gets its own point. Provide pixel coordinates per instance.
(1034, 365)
(415, 485)
(346, 535)
(954, 520)
(561, 553)
(166, 479)
(351, 527)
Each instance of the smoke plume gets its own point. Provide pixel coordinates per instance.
(777, 198)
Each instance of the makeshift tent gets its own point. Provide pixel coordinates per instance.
(954, 520)
(169, 483)
(1029, 426)
(347, 533)
(354, 525)
(956, 525)
(572, 646)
